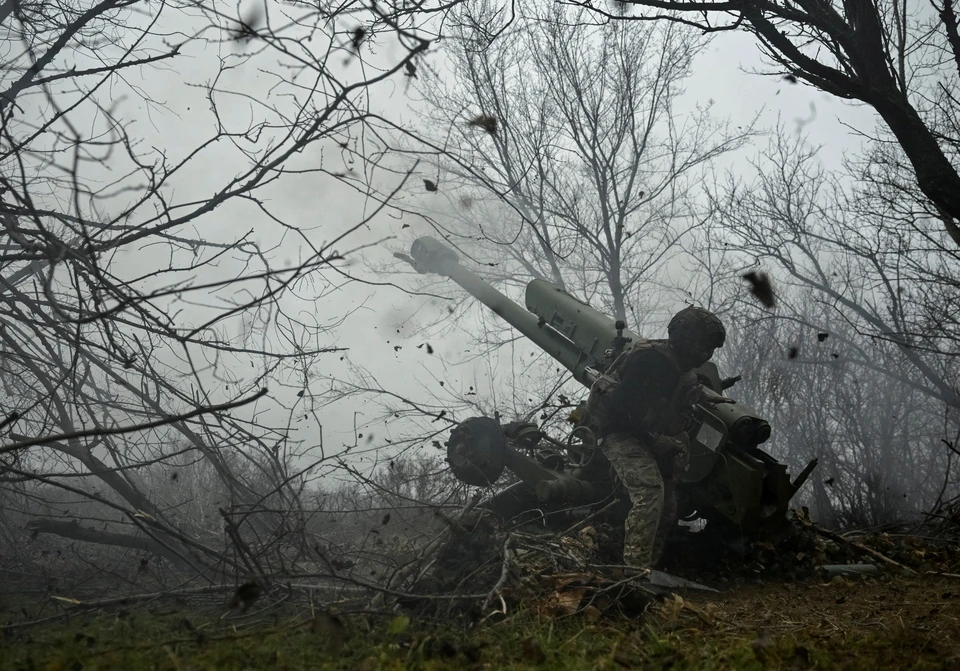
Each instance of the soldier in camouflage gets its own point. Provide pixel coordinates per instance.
(643, 408)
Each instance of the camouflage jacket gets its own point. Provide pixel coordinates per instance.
(645, 393)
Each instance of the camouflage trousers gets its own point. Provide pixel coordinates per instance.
(653, 501)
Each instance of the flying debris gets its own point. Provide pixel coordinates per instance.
(248, 25)
(356, 39)
(761, 287)
(486, 122)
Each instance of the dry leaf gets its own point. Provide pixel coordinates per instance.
(567, 602)
(670, 608)
(591, 613)
(357, 38)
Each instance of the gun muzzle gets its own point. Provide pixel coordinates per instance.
(432, 256)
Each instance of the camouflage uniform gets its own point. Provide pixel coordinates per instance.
(643, 407)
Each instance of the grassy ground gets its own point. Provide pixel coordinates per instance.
(904, 623)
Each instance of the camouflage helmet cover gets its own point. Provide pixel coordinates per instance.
(696, 325)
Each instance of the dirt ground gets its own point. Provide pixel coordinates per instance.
(904, 622)
(890, 622)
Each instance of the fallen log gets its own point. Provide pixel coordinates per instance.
(74, 531)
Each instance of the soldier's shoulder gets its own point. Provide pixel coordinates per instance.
(652, 350)
(652, 354)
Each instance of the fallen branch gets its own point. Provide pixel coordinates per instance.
(385, 591)
(74, 531)
(879, 556)
(944, 575)
(148, 596)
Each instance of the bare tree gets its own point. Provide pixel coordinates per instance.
(885, 282)
(564, 155)
(901, 58)
(877, 438)
(856, 365)
(139, 327)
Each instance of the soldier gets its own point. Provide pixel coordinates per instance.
(643, 408)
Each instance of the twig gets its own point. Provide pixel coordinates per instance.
(115, 431)
(432, 547)
(133, 598)
(508, 557)
(592, 516)
(385, 590)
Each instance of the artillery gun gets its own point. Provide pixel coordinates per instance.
(732, 484)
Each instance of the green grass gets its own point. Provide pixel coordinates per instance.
(180, 641)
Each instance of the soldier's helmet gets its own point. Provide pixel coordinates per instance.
(696, 326)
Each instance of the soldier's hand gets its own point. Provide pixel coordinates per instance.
(670, 445)
(712, 398)
(672, 453)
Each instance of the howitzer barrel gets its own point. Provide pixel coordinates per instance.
(432, 256)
